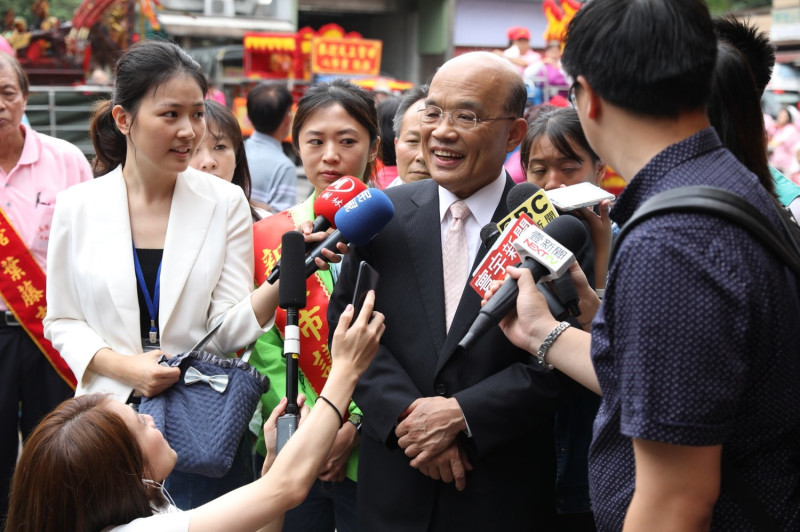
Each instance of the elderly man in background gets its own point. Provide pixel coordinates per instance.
(408, 150)
(33, 169)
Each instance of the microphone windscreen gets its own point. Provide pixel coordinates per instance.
(337, 194)
(569, 232)
(364, 216)
(519, 194)
(292, 290)
(489, 234)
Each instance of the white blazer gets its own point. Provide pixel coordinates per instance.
(206, 270)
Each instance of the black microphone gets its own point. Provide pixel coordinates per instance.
(568, 294)
(291, 297)
(556, 307)
(564, 302)
(489, 234)
(519, 194)
(567, 231)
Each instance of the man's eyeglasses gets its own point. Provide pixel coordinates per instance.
(571, 93)
(462, 119)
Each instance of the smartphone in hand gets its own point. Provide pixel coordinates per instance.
(577, 196)
(367, 280)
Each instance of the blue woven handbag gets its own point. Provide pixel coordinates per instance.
(205, 414)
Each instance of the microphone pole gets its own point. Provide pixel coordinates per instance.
(291, 297)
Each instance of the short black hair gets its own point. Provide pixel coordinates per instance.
(753, 44)
(267, 105)
(650, 57)
(415, 94)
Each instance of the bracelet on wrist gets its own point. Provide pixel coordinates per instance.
(601, 293)
(548, 342)
(338, 412)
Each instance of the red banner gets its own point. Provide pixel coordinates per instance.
(346, 56)
(22, 286)
(315, 357)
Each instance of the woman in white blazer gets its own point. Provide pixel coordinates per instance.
(154, 230)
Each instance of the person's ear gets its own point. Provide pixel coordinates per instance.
(286, 123)
(599, 171)
(373, 151)
(591, 99)
(516, 133)
(122, 118)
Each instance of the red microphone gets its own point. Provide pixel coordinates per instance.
(331, 200)
(326, 206)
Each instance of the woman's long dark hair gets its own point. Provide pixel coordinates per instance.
(81, 469)
(734, 110)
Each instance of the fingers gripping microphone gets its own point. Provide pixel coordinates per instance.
(545, 253)
(326, 206)
(357, 222)
(291, 297)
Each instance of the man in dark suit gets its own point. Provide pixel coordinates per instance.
(452, 440)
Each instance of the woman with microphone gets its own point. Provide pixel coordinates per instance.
(335, 133)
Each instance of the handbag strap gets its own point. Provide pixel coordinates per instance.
(726, 205)
(737, 210)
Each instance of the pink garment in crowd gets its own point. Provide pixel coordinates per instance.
(514, 168)
(5, 47)
(782, 145)
(384, 176)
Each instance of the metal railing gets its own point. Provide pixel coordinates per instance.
(65, 111)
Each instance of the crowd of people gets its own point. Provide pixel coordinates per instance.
(665, 403)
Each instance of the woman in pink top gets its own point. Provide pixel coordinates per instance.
(783, 142)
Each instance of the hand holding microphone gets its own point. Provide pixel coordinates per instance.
(327, 204)
(357, 222)
(546, 255)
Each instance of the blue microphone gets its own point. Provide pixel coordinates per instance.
(357, 222)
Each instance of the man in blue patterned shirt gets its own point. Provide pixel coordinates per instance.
(695, 347)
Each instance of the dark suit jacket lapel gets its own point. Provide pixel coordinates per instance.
(422, 229)
(470, 303)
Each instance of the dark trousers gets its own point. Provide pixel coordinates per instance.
(29, 389)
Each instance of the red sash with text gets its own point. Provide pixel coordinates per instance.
(315, 357)
(22, 286)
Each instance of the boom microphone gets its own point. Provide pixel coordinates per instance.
(547, 254)
(357, 222)
(326, 206)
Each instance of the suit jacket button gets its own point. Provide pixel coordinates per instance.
(441, 389)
